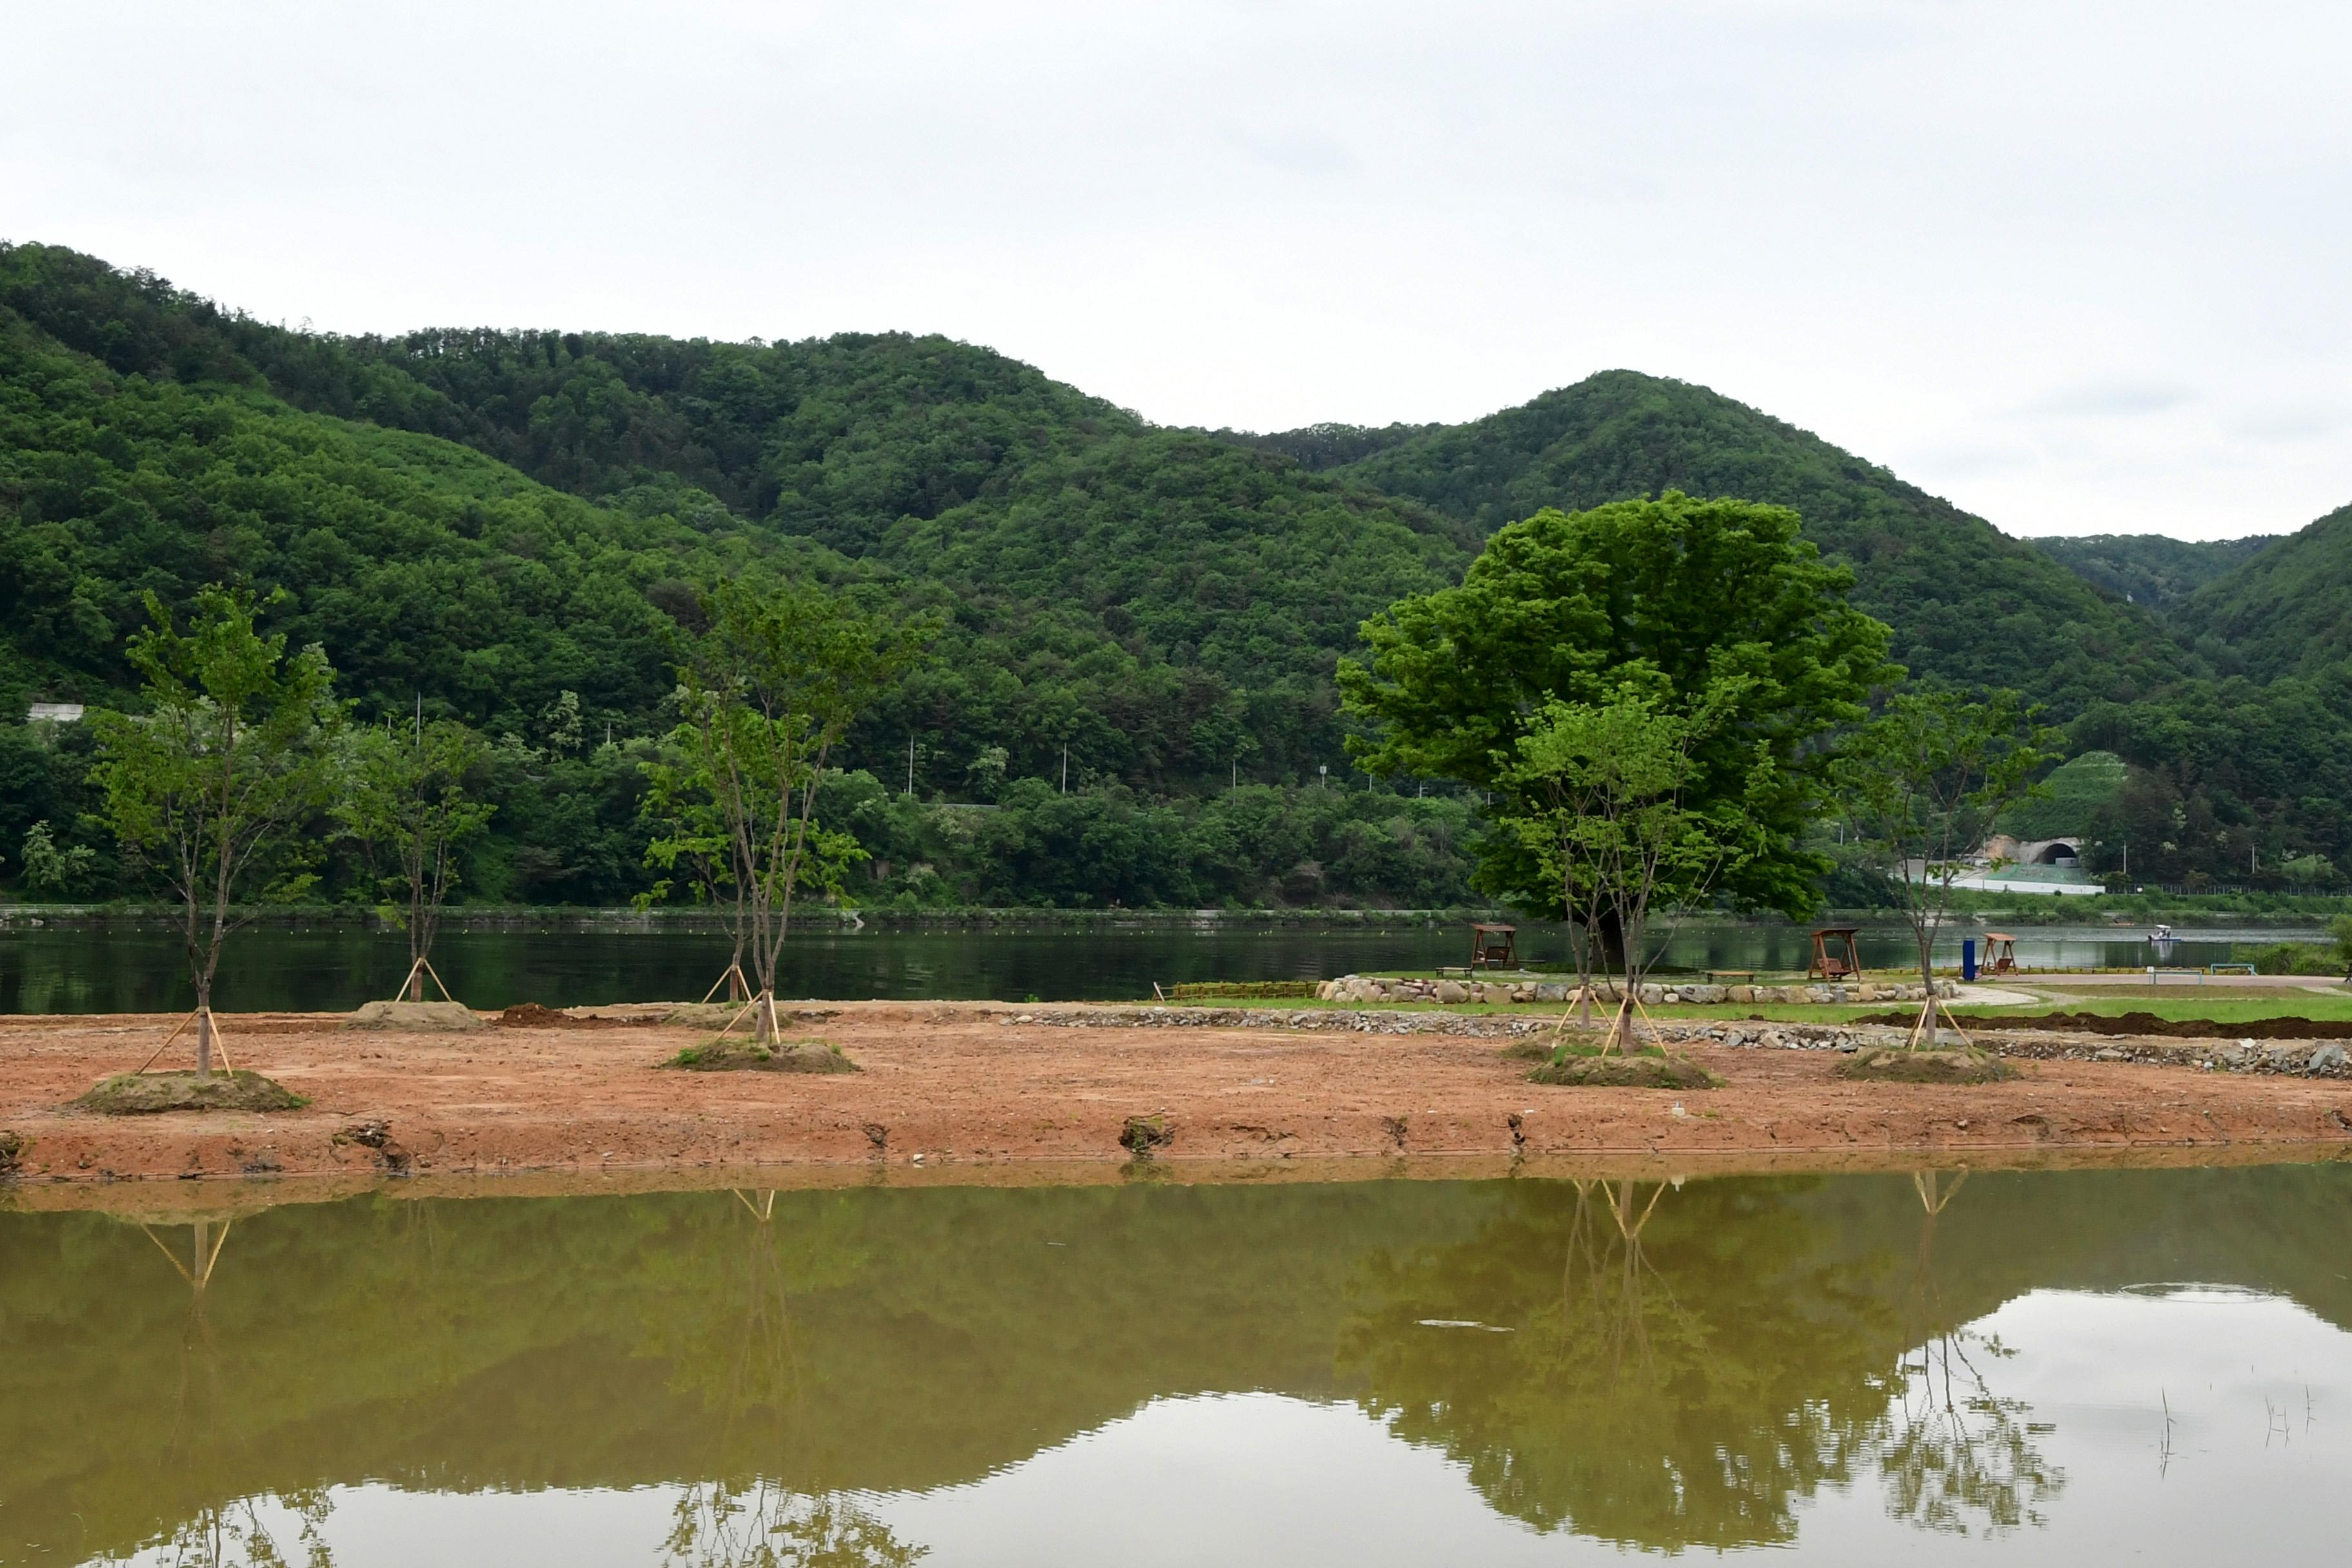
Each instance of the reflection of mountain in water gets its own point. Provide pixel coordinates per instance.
(1681, 1369)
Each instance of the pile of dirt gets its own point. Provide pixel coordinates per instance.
(531, 1016)
(733, 1017)
(1646, 1070)
(1887, 1064)
(2147, 1024)
(439, 1015)
(743, 1055)
(1544, 1047)
(145, 1094)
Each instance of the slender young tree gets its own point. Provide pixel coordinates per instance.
(768, 695)
(205, 787)
(405, 800)
(690, 836)
(1606, 802)
(1920, 788)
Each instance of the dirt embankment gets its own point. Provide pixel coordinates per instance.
(964, 1084)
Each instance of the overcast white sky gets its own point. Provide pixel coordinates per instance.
(2080, 267)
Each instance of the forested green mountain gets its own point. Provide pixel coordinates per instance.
(2148, 569)
(1166, 607)
(2287, 610)
(1968, 603)
(488, 521)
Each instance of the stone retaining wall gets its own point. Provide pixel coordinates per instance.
(2297, 1058)
(1380, 988)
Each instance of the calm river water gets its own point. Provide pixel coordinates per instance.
(2031, 1369)
(78, 970)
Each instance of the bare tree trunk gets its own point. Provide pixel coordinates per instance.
(204, 1025)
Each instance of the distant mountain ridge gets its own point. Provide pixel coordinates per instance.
(2152, 569)
(1968, 603)
(2287, 610)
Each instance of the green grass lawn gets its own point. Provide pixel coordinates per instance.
(2220, 1009)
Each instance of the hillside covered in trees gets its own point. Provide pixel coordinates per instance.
(510, 528)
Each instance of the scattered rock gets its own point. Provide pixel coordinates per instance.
(880, 1136)
(148, 1094)
(12, 1155)
(2328, 1059)
(376, 1134)
(451, 1017)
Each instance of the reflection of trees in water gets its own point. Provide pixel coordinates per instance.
(1677, 1367)
(232, 1534)
(751, 1522)
(758, 1524)
(1952, 1453)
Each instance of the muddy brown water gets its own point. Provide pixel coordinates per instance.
(2044, 1368)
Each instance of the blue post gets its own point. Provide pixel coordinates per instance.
(1968, 959)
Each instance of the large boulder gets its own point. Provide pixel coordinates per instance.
(1451, 991)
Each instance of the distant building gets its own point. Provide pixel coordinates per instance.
(54, 714)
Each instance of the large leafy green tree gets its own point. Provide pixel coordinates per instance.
(207, 785)
(1707, 594)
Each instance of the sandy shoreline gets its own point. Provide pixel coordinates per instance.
(965, 1091)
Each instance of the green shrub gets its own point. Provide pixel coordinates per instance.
(2300, 958)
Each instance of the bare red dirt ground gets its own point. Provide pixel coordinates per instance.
(965, 1085)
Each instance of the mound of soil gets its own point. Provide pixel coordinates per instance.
(145, 1094)
(743, 1055)
(1541, 1048)
(2148, 1024)
(720, 1014)
(445, 1015)
(531, 1016)
(1617, 1071)
(1886, 1064)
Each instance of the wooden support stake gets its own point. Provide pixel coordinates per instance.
(166, 1045)
(734, 982)
(168, 1252)
(219, 1242)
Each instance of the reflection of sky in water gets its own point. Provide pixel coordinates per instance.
(2260, 1445)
